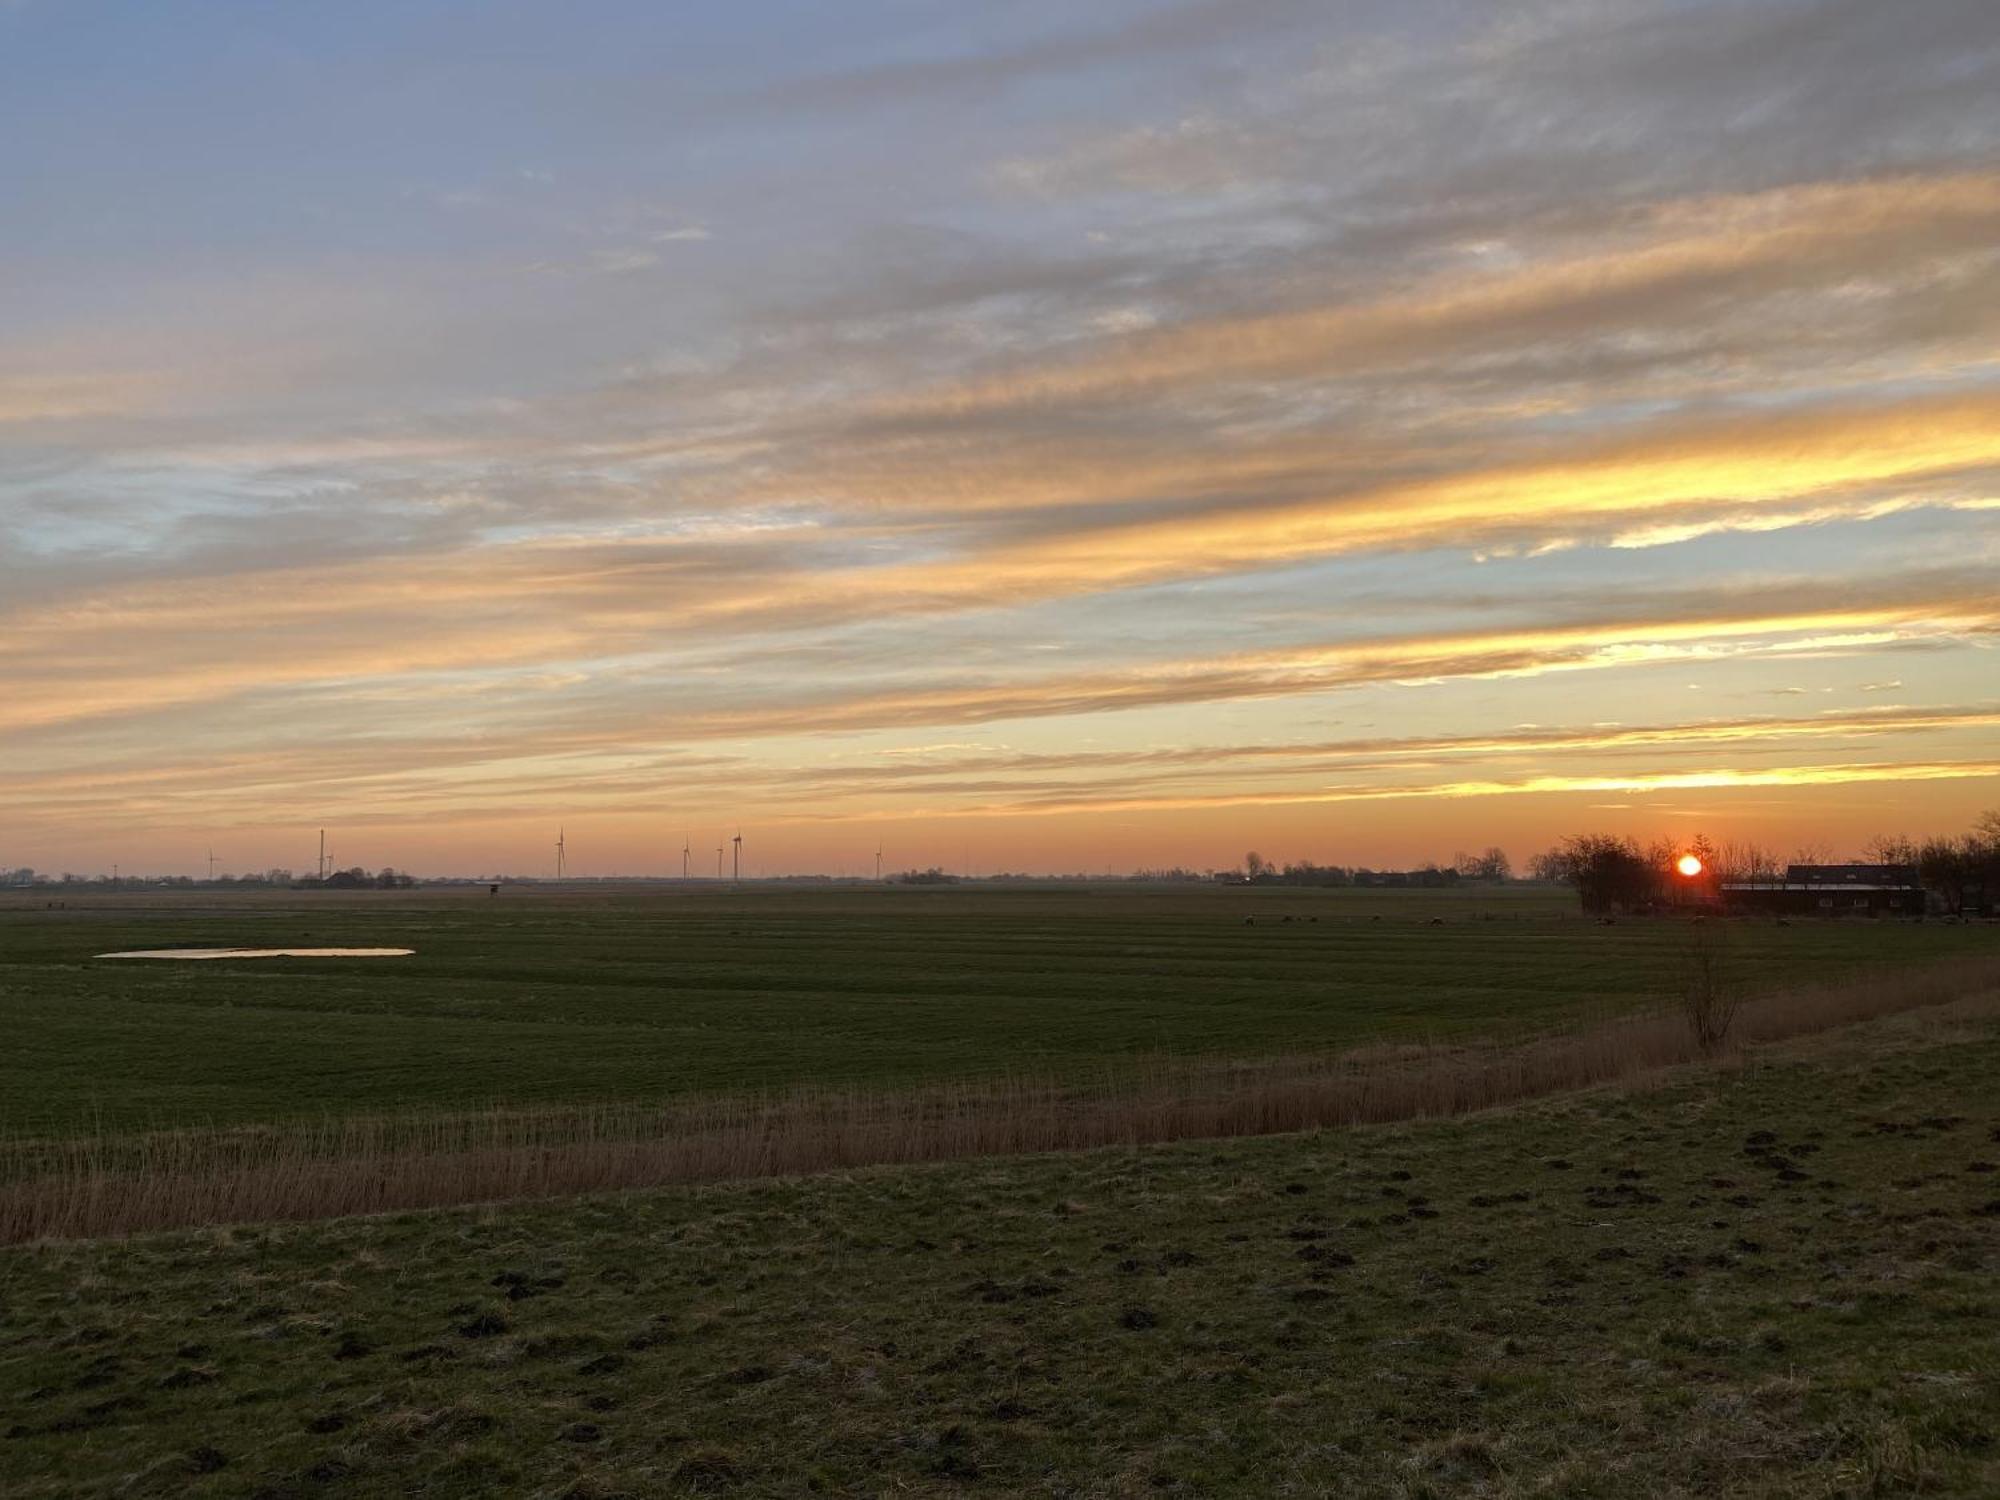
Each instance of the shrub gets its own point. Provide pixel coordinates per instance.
(1708, 999)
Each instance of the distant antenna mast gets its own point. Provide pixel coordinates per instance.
(562, 853)
(736, 860)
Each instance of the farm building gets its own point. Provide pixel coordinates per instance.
(1430, 878)
(1831, 891)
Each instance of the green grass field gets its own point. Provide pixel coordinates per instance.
(568, 996)
(1774, 1281)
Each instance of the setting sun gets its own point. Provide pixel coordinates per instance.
(1689, 865)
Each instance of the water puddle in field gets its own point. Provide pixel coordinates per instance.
(263, 953)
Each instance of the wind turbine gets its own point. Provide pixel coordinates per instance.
(736, 858)
(878, 861)
(687, 848)
(718, 859)
(562, 852)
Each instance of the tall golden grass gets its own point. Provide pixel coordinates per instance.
(101, 1185)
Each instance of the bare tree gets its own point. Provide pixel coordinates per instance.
(1492, 865)
(1609, 873)
(1709, 998)
(1746, 861)
(1891, 849)
(1550, 864)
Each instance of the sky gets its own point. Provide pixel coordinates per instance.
(1017, 436)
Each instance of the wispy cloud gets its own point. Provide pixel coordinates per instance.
(813, 413)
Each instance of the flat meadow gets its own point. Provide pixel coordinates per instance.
(608, 995)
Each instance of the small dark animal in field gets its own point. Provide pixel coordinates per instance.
(1437, 921)
(1249, 921)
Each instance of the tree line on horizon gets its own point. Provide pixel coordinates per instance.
(354, 878)
(1608, 871)
(1612, 872)
(1492, 866)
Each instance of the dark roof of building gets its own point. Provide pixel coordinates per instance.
(1816, 885)
(1861, 875)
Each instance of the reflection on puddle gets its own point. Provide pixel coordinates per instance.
(263, 953)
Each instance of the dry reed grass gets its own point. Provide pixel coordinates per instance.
(105, 1185)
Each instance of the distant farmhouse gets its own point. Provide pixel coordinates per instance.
(1832, 891)
(1429, 878)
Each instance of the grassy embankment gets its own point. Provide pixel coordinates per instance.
(80, 1187)
(1769, 1279)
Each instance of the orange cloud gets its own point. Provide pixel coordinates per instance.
(1712, 779)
